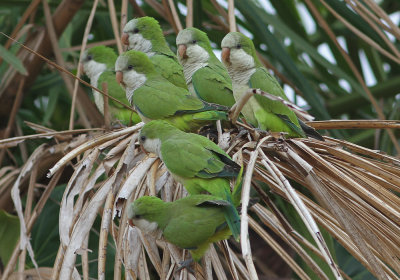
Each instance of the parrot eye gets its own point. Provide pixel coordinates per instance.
(89, 57)
(194, 41)
(136, 30)
(130, 67)
(138, 216)
(142, 138)
(238, 46)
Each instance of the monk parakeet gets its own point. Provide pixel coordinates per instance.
(98, 64)
(144, 34)
(244, 67)
(197, 162)
(192, 223)
(205, 75)
(156, 98)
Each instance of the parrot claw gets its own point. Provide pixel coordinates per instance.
(186, 264)
(117, 125)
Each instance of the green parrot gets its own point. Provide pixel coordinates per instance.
(144, 34)
(244, 67)
(198, 163)
(192, 223)
(205, 75)
(98, 64)
(154, 97)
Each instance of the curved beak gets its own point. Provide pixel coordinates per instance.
(182, 51)
(125, 39)
(119, 76)
(131, 223)
(225, 55)
(143, 149)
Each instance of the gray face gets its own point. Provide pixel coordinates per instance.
(184, 37)
(136, 40)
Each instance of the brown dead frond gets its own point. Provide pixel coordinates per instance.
(355, 191)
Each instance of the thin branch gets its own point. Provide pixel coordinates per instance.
(114, 23)
(60, 60)
(124, 14)
(358, 75)
(175, 15)
(189, 14)
(17, 103)
(63, 70)
(232, 18)
(78, 74)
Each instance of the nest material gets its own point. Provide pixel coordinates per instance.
(355, 189)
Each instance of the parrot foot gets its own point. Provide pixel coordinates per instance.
(186, 264)
(117, 125)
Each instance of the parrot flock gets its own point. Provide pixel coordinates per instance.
(175, 96)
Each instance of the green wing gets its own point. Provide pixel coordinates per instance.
(193, 225)
(187, 158)
(263, 80)
(274, 116)
(213, 84)
(159, 99)
(170, 69)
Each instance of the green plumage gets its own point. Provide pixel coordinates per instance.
(198, 163)
(193, 222)
(247, 72)
(117, 111)
(107, 56)
(163, 59)
(211, 82)
(157, 98)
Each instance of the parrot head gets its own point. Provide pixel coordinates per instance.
(131, 68)
(238, 52)
(153, 132)
(193, 46)
(140, 33)
(145, 212)
(97, 59)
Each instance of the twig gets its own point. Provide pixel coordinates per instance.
(360, 34)
(60, 60)
(175, 15)
(78, 74)
(106, 106)
(35, 214)
(124, 14)
(189, 14)
(354, 124)
(63, 70)
(244, 224)
(302, 210)
(28, 12)
(358, 9)
(385, 17)
(232, 18)
(91, 144)
(137, 8)
(17, 103)
(114, 23)
(238, 106)
(105, 225)
(359, 77)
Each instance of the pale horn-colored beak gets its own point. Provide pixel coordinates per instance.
(182, 51)
(119, 76)
(125, 39)
(226, 55)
